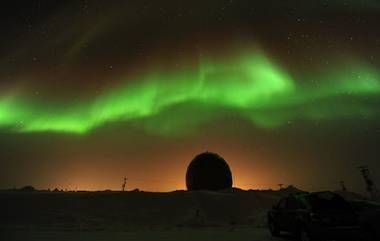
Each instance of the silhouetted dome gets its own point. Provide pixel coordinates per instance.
(208, 171)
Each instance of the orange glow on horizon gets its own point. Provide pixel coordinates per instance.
(102, 174)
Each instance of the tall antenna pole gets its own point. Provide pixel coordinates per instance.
(343, 186)
(124, 183)
(370, 185)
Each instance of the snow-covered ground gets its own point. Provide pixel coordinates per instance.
(176, 234)
(228, 215)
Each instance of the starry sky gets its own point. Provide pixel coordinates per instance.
(92, 91)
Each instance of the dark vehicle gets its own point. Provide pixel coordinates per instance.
(369, 218)
(314, 216)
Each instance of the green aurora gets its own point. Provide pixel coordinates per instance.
(250, 85)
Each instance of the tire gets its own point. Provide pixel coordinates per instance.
(304, 235)
(370, 233)
(273, 229)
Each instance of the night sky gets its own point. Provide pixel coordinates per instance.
(92, 91)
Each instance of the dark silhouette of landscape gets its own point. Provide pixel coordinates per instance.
(210, 204)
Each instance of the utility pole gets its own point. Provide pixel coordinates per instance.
(124, 183)
(370, 185)
(343, 186)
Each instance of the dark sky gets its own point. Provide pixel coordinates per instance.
(92, 91)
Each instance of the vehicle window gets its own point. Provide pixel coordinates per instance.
(282, 203)
(304, 202)
(327, 201)
(292, 203)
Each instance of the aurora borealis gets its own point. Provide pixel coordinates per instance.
(251, 84)
(275, 88)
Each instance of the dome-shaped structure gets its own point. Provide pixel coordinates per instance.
(208, 171)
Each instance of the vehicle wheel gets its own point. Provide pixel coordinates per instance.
(304, 235)
(273, 229)
(370, 233)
